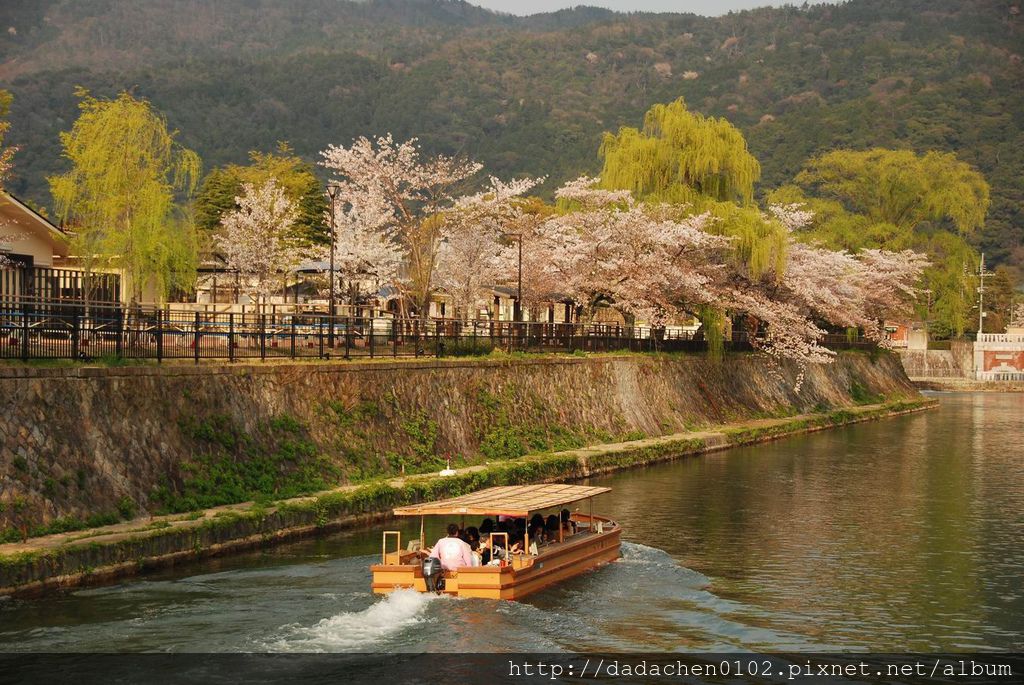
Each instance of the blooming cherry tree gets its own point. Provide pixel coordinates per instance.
(395, 191)
(474, 252)
(658, 263)
(654, 262)
(643, 258)
(793, 216)
(256, 238)
(363, 251)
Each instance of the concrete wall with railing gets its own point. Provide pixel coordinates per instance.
(999, 357)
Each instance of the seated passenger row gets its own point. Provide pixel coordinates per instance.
(481, 546)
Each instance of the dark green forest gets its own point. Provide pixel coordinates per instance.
(532, 95)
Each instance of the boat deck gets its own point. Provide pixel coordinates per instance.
(525, 574)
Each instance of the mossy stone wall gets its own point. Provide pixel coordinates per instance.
(77, 443)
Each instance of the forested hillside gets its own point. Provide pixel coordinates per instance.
(532, 95)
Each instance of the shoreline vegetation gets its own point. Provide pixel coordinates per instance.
(103, 554)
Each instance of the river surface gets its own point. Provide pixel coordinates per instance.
(899, 535)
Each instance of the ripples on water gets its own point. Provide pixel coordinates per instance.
(897, 535)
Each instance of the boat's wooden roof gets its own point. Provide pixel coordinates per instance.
(509, 500)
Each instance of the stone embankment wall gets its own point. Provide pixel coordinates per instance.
(956, 362)
(77, 443)
(931, 364)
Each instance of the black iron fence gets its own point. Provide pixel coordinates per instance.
(81, 332)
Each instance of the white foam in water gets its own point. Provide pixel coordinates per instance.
(358, 630)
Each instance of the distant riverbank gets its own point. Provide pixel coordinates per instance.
(966, 385)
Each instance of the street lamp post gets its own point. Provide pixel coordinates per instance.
(332, 192)
(517, 311)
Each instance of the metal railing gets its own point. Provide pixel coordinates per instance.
(79, 332)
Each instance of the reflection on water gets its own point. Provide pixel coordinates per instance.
(897, 535)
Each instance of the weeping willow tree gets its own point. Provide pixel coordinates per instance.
(901, 188)
(684, 158)
(680, 156)
(897, 200)
(119, 198)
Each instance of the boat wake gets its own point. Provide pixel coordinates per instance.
(353, 631)
(648, 598)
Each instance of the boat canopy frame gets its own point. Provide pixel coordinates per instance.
(505, 500)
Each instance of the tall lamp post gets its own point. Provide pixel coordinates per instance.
(332, 191)
(517, 311)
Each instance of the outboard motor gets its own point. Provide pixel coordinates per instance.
(433, 575)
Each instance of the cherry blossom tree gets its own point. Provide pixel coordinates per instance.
(396, 191)
(642, 257)
(654, 262)
(657, 262)
(363, 252)
(6, 164)
(888, 285)
(6, 151)
(793, 216)
(474, 251)
(256, 238)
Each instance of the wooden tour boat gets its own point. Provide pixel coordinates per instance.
(595, 542)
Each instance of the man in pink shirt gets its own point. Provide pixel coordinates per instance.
(452, 551)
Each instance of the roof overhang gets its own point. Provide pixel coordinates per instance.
(506, 500)
(14, 212)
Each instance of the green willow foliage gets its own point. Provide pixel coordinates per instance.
(119, 196)
(679, 153)
(701, 164)
(896, 200)
(684, 158)
(900, 187)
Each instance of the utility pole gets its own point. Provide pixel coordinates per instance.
(332, 192)
(982, 275)
(927, 319)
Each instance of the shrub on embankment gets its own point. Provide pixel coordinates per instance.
(80, 443)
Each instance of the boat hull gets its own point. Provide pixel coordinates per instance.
(525, 576)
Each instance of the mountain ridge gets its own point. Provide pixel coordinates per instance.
(531, 95)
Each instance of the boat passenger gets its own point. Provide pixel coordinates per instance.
(474, 547)
(568, 525)
(487, 527)
(518, 531)
(484, 552)
(452, 551)
(553, 525)
(473, 538)
(537, 538)
(537, 520)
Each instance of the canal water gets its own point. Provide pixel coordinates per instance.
(899, 535)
